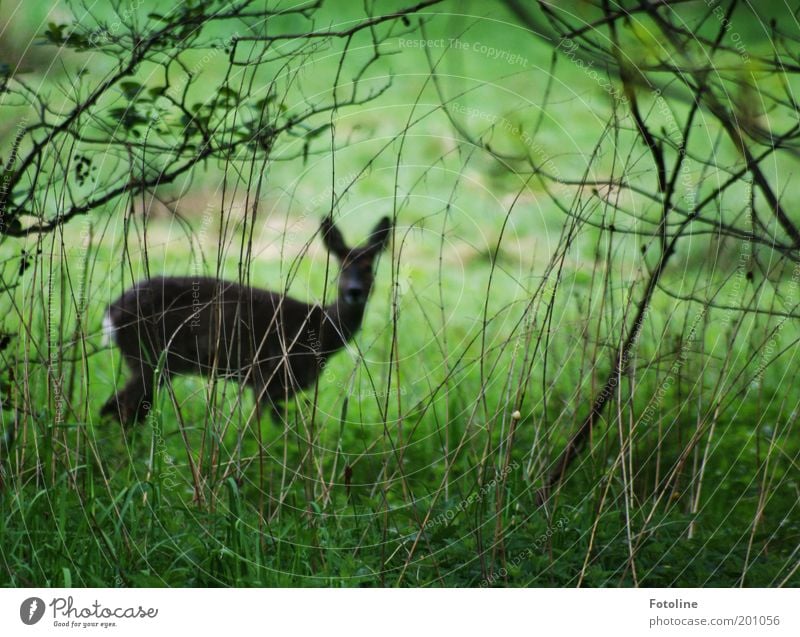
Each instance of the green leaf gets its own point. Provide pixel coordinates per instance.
(227, 93)
(131, 89)
(444, 532)
(55, 33)
(317, 131)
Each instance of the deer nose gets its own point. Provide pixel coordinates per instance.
(354, 294)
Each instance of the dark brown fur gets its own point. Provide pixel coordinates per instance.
(270, 342)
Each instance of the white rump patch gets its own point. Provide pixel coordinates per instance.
(108, 330)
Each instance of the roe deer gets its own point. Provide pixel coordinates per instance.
(263, 339)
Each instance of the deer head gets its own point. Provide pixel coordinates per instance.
(356, 274)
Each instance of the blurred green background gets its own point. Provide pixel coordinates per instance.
(340, 494)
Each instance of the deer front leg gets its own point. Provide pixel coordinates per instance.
(266, 404)
(262, 382)
(274, 408)
(132, 403)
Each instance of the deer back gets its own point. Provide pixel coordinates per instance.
(207, 325)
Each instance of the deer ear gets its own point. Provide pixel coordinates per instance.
(333, 239)
(380, 235)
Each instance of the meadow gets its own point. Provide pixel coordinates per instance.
(422, 456)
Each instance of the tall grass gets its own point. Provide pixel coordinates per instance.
(417, 458)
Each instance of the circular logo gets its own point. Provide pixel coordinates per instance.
(31, 610)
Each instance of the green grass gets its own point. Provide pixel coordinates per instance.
(703, 494)
(88, 504)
